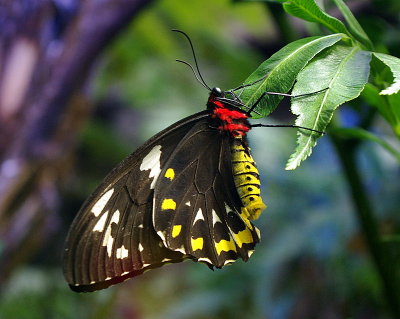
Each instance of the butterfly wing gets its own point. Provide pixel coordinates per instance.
(197, 210)
(112, 238)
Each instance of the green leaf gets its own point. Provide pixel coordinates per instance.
(344, 72)
(279, 72)
(355, 28)
(308, 10)
(365, 135)
(394, 102)
(394, 64)
(371, 95)
(387, 105)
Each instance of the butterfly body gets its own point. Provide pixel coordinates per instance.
(190, 192)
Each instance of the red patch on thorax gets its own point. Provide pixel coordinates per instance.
(233, 121)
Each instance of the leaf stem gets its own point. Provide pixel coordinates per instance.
(346, 150)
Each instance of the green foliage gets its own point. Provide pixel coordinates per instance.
(394, 64)
(361, 134)
(308, 10)
(279, 72)
(354, 27)
(317, 63)
(344, 71)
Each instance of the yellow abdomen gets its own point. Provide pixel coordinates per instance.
(247, 180)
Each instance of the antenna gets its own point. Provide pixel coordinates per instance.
(199, 77)
(194, 72)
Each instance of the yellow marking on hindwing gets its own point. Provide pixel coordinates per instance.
(197, 243)
(168, 203)
(243, 237)
(170, 173)
(176, 230)
(225, 245)
(245, 215)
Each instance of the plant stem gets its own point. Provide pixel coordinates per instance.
(346, 150)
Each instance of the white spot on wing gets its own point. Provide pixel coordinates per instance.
(203, 259)
(250, 252)
(108, 239)
(122, 252)
(140, 247)
(187, 203)
(181, 250)
(101, 203)
(152, 162)
(227, 208)
(140, 226)
(215, 217)
(199, 216)
(115, 217)
(229, 261)
(101, 223)
(161, 234)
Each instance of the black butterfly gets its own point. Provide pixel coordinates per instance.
(190, 192)
(187, 193)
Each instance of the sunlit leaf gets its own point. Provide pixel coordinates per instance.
(343, 71)
(278, 73)
(371, 95)
(394, 64)
(308, 10)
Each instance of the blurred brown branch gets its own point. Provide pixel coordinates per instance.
(47, 50)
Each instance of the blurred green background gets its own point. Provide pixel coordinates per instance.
(311, 262)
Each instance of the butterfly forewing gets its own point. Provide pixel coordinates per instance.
(196, 205)
(112, 238)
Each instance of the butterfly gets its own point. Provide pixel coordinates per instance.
(190, 192)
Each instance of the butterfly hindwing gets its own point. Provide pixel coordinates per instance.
(113, 238)
(196, 205)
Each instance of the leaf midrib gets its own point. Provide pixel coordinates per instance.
(275, 69)
(344, 62)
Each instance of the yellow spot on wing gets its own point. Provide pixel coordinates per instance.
(225, 245)
(243, 237)
(170, 173)
(168, 204)
(176, 230)
(197, 243)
